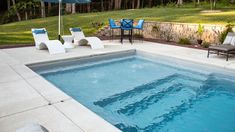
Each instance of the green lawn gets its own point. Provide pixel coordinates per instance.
(20, 32)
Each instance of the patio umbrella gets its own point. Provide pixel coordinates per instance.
(60, 4)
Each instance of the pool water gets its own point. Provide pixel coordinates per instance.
(140, 94)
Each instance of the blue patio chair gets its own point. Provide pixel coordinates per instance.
(113, 26)
(140, 27)
(127, 25)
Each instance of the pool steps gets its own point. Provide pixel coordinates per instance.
(152, 98)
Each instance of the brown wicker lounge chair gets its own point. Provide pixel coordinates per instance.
(227, 48)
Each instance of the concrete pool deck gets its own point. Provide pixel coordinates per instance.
(26, 97)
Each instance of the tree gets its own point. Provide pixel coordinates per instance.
(150, 3)
(133, 4)
(43, 13)
(142, 4)
(102, 5)
(179, 2)
(49, 8)
(73, 8)
(111, 5)
(198, 2)
(88, 7)
(8, 4)
(16, 10)
(138, 4)
(117, 4)
(68, 8)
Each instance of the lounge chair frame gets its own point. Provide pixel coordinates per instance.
(220, 52)
(227, 48)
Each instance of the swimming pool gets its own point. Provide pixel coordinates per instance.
(143, 92)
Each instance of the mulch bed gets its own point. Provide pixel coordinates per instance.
(194, 46)
(15, 46)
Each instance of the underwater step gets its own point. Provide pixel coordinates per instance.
(143, 92)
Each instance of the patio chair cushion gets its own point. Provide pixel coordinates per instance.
(139, 25)
(225, 48)
(112, 24)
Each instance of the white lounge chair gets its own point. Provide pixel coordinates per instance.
(42, 42)
(78, 34)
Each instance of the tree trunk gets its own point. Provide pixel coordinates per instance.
(138, 4)
(214, 4)
(111, 5)
(88, 7)
(80, 8)
(125, 4)
(162, 2)
(68, 8)
(43, 14)
(119, 4)
(179, 2)
(8, 4)
(211, 3)
(26, 15)
(133, 4)
(142, 4)
(31, 13)
(150, 3)
(49, 8)
(116, 4)
(102, 5)
(73, 8)
(17, 13)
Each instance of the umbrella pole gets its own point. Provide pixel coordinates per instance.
(59, 20)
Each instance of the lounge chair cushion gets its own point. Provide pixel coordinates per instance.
(225, 48)
(76, 29)
(233, 41)
(39, 31)
(229, 38)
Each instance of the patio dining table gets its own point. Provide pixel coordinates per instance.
(127, 25)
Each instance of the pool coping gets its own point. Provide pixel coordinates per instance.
(87, 115)
(115, 55)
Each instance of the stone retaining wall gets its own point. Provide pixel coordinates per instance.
(175, 31)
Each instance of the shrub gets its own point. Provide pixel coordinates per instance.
(184, 41)
(229, 28)
(97, 25)
(171, 4)
(200, 31)
(205, 44)
(155, 29)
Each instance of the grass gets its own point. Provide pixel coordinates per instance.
(20, 32)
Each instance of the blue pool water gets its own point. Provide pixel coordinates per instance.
(140, 94)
